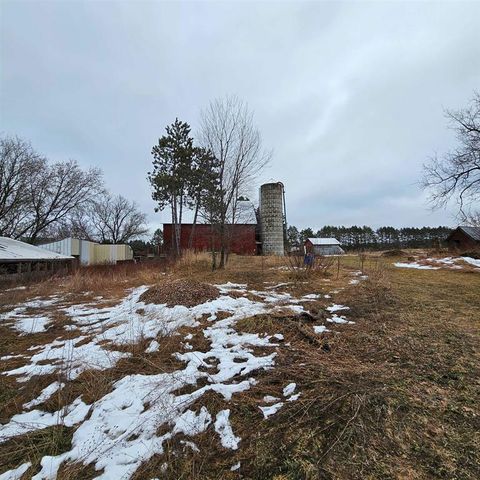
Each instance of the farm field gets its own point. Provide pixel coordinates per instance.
(367, 367)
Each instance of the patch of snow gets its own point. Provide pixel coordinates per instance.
(312, 295)
(69, 358)
(23, 287)
(17, 473)
(338, 319)
(153, 347)
(336, 308)
(472, 261)
(271, 410)
(9, 357)
(289, 389)
(229, 286)
(235, 467)
(320, 328)
(270, 399)
(279, 285)
(191, 445)
(278, 336)
(45, 394)
(224, 429)
(415, 265)
(189, 423)
(294, 397)
(28, 325)
(36, 420)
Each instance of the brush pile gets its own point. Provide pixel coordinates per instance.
(180, 292)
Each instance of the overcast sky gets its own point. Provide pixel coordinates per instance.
(349, 96)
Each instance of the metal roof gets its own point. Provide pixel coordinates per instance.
(324, 241)
(13, 250)
(472, 232)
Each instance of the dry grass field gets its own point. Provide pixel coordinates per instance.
(394, 395)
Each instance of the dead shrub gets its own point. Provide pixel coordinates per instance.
(192, 261)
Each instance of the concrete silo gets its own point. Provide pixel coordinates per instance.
(272, 218)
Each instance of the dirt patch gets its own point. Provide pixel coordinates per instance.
(180, 292)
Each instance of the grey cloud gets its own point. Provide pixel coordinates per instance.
(348, 95)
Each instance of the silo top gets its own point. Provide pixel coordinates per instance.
(272, 186)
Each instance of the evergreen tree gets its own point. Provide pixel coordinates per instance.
(172, 176)
(293, 237)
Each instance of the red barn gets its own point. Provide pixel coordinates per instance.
(241, 237)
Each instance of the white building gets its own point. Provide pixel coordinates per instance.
(20, 257)
(323, 246)
(91, 253)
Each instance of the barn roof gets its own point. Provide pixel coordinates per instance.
(324, 241)
(472, 232)
(13, 250)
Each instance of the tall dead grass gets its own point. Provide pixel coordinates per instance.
(107, 277)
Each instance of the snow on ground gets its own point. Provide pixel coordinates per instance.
(271, 409)
(336, 308)
(289, 389)
(17, 473)
(472, 261)
(37, 420)
(45, 394)
(338, 319)
(32, 324)
(415, 265)
(447, 262)
(25, 322)
(224, 429)
(120, 431)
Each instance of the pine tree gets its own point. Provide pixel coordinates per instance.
(172, 176)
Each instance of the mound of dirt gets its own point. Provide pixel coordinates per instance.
(394, 253)
(180, 292)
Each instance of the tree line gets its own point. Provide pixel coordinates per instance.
(365, 237)
(41, 199)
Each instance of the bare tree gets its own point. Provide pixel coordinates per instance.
(58, 191)
(228, 131)
(35, 195)
(457, 175)
(18, 163)
(116, 220)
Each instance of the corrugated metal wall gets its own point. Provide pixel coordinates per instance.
(91, 253)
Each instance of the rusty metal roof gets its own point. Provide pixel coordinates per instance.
(472, 232)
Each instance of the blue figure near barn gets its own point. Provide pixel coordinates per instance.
(309, 259)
